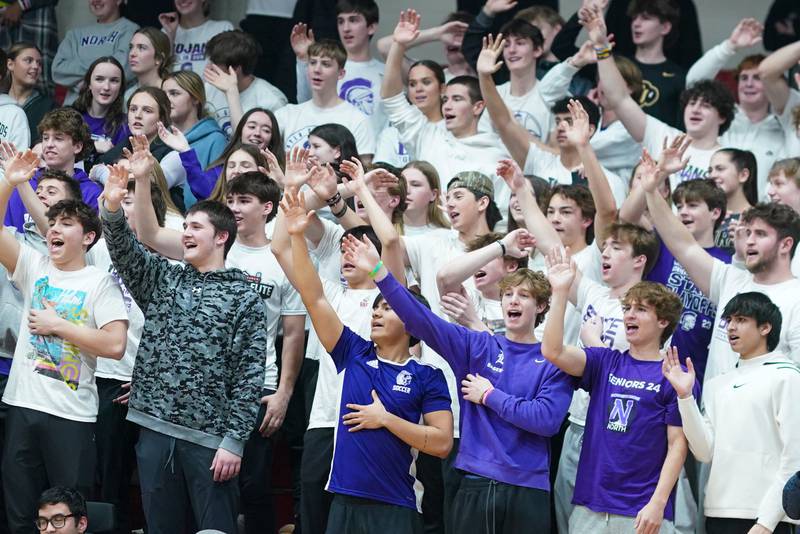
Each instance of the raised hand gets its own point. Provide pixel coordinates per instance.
(169, 23)
(362, 254)
(584, 56)
(116, 187)
(648, 171)
(592, 332)
(747, 33)
(293, 206)
(682, 381)
(380, 178)
(671, 159)
(274, 170)
(488, 62)
(296, 167)
(508, 170)
(451, 33)
(495, 7)
(225, 81)
(301, 38)
(407, 29)
(139, 143)
(141, 161)
(518, 243)
(354, 169)
(561, 269)
(21, 167)
(459, 307)
(173, 138)
(579, 132)
(7, 151)
(591, 18)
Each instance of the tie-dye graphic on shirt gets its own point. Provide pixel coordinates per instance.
(55, 357)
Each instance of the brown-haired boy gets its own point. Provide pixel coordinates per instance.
(634, 446)
(65, 140)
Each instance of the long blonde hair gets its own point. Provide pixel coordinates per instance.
(435, 215)
(193, 84)
(218, 193)
(160, 180)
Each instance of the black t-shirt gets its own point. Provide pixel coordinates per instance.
(663, 84)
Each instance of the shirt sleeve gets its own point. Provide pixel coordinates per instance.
(200, 182)
(720, 278)
(347, 347)
(541, 415)
(363, 134)
(654, 133)
(555, 84)
(437, 396)
(408, 119)
(303, 87)
(698, 428)
(29, 263)
(595, 359)
(291, 303)
(109, 305)
(710, 63)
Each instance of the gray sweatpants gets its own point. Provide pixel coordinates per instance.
(584, 520)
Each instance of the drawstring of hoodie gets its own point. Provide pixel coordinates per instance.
(491, 495)
(170, 463)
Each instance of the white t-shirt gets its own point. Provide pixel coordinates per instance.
(548, 166)
(429, 142)
(391, 150)
(280, 298)
(106, 367)
(260, 94)
(414, 231)
(594, 299)
(297, 120)
(354, 308)
(190, 44)
(271, 8)
(791, 147)
(360, 86)
(532, 110)
(616, 149)
(728, 281)
(699, 159)
(49, 374)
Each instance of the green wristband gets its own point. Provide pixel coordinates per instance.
(374, 272)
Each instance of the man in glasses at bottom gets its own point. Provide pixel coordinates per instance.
(63, 511)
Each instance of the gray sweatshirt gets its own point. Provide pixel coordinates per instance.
(81, 46)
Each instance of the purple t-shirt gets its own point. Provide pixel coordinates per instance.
(625, 441)
(693, 333)
(97, 126)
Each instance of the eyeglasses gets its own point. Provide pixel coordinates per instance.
(58, 521)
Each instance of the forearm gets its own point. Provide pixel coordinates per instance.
(163, 240)
(35, 207)
(563, 45)
(425, 438)
(711, 63)
(634, 207)
(305, 277)
(457, 270)
(536, 222)
(571, 360)
(393, 79)
(234, 106)
(771, 71)
(94, 341)
(670, 470)
(605, 205)
(698, 432)
(200, 182)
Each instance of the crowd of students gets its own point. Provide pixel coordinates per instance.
(550, 286)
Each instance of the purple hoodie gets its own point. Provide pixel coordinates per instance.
(15, 216)
(508, 439)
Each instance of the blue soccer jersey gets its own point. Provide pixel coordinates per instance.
(376, 464)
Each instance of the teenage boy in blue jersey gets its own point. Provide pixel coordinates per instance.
(385, 393)
(633, 445)
(514, 400)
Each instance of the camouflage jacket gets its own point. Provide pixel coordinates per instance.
(200, 364)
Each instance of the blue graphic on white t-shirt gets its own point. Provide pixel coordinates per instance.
(529, 122)
(54, 357)
(610, 326)
(358, 92)
(298, 137)
(188, 52)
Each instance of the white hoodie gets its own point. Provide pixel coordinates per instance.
(750, 432)
(428, 141)
(14, 123)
